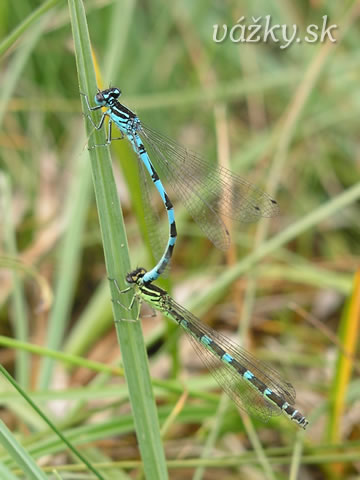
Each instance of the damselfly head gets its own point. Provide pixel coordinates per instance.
(136, 275)
(107, 97)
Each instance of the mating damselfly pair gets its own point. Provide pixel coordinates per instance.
(207, 192)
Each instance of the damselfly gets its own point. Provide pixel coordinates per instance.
(129, 125)
(253, 386)
(207, 191)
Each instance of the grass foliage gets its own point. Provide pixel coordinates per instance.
(132, 401)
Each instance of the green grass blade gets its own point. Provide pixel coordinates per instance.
(19, 455)
(28, 22)
(68, 262)
(50, 424)
(20, 317)
(5, 473)
(96, 319)
(118, 264)
(17, 65)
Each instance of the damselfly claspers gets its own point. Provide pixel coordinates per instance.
(253, 385)
(207, 191)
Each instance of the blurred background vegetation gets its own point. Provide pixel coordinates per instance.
(285, 119)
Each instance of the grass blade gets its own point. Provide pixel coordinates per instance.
(22, 458)
(118, 264)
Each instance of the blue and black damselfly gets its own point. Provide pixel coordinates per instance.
(207, 191)
(129, 124)
(254, 386)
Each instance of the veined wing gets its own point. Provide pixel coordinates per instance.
(186, 188)
(207, 191)
(243, 393)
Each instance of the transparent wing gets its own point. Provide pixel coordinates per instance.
(152, 220)
(207, 191)
(186, 188)
(246, 396)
